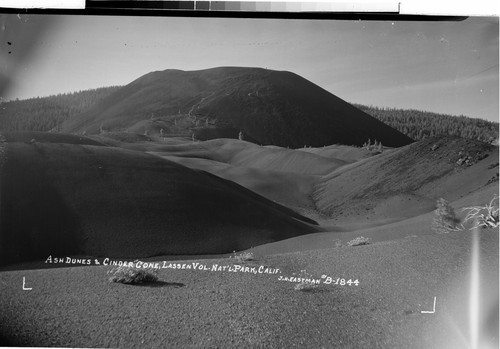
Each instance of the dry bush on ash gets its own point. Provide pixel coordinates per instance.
(359, 241)
(130, 275)
(243, 257)
(483, 216)
(307, 284)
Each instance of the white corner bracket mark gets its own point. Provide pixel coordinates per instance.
(24, 285)
(433, 309)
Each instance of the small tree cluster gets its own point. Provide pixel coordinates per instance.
(445, 219)
(486, 216)
(375, 146)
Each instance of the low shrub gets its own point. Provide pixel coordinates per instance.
(130, 275)
(244, 257)
(307, 285)
(360, 240)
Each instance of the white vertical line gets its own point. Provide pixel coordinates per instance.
(474, 290)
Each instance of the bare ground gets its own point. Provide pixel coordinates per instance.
(79, 307)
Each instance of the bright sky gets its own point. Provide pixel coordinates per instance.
(448, 67)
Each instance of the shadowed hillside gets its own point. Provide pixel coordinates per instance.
(287, 188)
(268, 107)
(64, 199)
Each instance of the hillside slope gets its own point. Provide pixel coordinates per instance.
(269, 107)
(47, 113)
(407, 181)
(287, 188)
(65, 199)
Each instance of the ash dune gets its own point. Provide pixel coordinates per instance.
(283, 175)
(269, 107)
(346, 153)
(279, 174)
(99, 200)
(245, 154)
(128, 195)
(287, 188)
(361, 189)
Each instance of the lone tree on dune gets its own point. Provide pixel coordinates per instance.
(445, 219)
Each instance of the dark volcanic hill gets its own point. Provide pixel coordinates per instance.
(269, 107)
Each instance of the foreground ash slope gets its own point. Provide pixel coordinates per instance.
(269, 107)
(79, 197)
